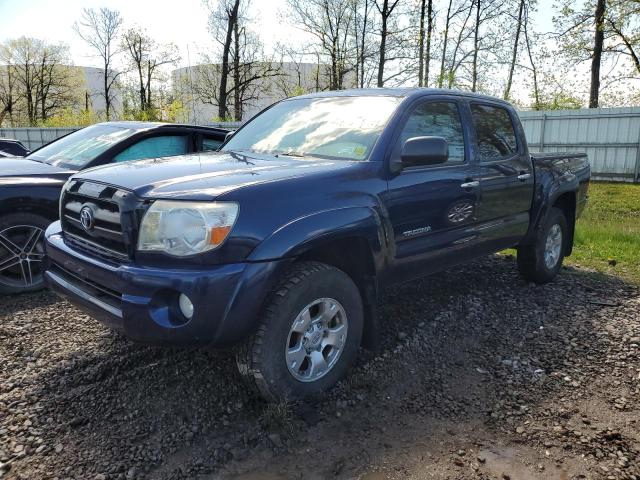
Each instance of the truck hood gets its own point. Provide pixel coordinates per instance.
(205, 175)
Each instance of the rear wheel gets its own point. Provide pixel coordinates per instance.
(308, 335)
(21, 252)
(541, 261)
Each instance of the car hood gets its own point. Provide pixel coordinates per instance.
(205, 175)
(14, 168)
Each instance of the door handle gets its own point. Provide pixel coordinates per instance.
(472, 184)
(523, 176)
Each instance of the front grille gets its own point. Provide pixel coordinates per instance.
(109, 236)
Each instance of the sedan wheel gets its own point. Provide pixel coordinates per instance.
(21, 256)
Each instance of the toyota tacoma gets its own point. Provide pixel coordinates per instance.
(281, 242)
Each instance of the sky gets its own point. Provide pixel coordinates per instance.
(183, 23)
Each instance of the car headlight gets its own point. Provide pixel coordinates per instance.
(186, 228)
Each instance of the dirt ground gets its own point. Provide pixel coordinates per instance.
(481, 376)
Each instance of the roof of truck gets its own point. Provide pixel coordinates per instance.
(400, 92)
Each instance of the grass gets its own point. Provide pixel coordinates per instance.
(608, 232)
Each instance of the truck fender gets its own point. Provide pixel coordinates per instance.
(308, 232)
(549, 189)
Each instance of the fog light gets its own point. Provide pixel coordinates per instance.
(186, 307)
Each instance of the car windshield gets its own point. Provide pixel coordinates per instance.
(76, 150)
(343, 128)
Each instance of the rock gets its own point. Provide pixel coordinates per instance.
(402, 335)
(275, 439)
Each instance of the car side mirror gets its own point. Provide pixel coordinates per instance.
(228, 136)
(422, 151)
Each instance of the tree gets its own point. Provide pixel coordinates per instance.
(328, 22)
(596, 60)
(514, 54)
(35, 80)
(424, 47)
(147, 57)
(100, 29)
(223, 19)
(385, 11)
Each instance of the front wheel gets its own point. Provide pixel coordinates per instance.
(21, 252)
(541, 261)
(308, 335)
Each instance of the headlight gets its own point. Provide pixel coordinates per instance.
(186, 228)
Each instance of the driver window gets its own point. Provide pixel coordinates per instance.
(435, 119)
(494, 131)
(154, 147)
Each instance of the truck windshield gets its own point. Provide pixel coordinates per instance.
(343, 128)
(77, 149)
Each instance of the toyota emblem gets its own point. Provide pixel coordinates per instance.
(86, 218)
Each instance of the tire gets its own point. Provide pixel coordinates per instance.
(22, 252)
(265, 358)
(541, 261)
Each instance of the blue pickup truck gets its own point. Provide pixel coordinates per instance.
(281, 241)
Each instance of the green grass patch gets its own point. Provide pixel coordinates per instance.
(608, 232)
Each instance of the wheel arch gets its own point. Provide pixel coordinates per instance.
(350, 239)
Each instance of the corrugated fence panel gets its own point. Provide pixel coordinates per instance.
(610, 136)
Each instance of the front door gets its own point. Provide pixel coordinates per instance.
(432, 207)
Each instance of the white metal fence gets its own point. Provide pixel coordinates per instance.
(610, 136)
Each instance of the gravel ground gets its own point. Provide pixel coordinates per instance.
(480, 376)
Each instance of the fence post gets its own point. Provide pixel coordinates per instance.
(542, 128)
(636, 173)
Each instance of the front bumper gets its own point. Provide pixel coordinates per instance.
(142, 302)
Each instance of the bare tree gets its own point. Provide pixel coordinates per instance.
(424, 44)
(385, 10)
(514, 52)
(223, 19)
(35, 80)
(100, 29)
(596, 60)
(147, 57)
(328, 22)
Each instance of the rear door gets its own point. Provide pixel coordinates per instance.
(506, 175)
(432, 207)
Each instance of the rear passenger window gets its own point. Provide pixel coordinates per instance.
(494, 129)
(436, 119)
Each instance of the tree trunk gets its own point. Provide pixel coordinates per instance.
(427, 58)
(237, 103)
(224, 73)
(476, 41)
(597, 54)
(107, 100)
(362, 41)
(383, 44)
(514, 56)
(444, 44)
(536, 90)
(421, 42)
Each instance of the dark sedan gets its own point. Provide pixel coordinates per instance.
(12, 148)
(30, 187)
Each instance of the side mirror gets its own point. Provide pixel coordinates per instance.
(228, 136)
(419, 151)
